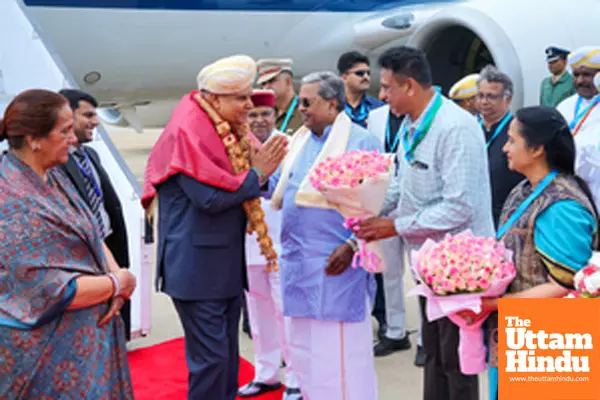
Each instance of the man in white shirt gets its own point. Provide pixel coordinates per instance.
(263, 299)
(385, 124)
(582, 112)
(442, 187)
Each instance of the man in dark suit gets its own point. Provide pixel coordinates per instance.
(202, 223)
(91, 180)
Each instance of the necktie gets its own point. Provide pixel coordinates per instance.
(92, 189)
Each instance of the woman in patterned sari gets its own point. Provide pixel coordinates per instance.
(59, 287)
(549, 220)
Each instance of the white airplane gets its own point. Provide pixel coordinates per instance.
(138, 57)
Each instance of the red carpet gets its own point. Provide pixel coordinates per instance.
(159, 372)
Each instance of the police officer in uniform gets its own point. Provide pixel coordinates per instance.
(559, 86)
(276, 75)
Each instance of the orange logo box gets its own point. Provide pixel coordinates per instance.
(549, 349)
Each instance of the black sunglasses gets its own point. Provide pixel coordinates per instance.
(304, 102)
(361, 72)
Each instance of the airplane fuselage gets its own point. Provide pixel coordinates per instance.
(142, 55)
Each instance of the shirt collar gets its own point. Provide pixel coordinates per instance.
(410, 124)
(586, 102)
(495, 125)
(561, 79)
(369, 101)
(73, 150)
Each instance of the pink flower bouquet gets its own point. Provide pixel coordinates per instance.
(587, 280)
(454, 275)
(356, 183)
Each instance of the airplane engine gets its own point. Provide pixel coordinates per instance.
(112, 116)
(122, 116)
(463, 38)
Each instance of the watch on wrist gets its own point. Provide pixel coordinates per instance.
(352, 244)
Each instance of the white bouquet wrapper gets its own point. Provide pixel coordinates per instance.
(361, 202)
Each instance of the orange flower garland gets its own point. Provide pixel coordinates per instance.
(238, 151)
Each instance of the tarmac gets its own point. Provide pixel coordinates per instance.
(398, 378)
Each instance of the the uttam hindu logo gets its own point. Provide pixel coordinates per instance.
(549, 349)
(523, 342)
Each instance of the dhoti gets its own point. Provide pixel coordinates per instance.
(333, 360)
(269, 327)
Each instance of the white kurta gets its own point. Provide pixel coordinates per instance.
(587, 142)
(265, 308)
(393, 252)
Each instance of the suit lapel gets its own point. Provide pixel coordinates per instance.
(76, 177)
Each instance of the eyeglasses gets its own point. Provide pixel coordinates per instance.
(263, 114)
(490, 96)
(305, 102)
(361, 72)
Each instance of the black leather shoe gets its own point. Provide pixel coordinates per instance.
(381, 331)
(420, 357)
(254, 389)
(387, 346)
(246, 328)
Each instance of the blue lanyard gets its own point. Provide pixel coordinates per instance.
(579, 115)
(363, 112)
(519, 211)
(420, 129)
(290, 111)
(89, 174)
(501, 126)
(388, 139)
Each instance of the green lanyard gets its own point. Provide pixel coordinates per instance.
(422, 129)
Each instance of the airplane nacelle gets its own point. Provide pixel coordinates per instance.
(139, 56)
(123, 116)
(463, 38)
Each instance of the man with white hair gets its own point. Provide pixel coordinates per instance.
(495, 91)
(582, 112)
(328, 301)
(464, 93)
(207, 172)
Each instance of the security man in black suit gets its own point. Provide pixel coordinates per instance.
(91, 180)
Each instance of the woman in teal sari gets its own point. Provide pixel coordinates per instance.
(60, 288)
(549, 220)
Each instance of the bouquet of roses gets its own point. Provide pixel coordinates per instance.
(356, 182)
(587, 280)
(454, 275)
